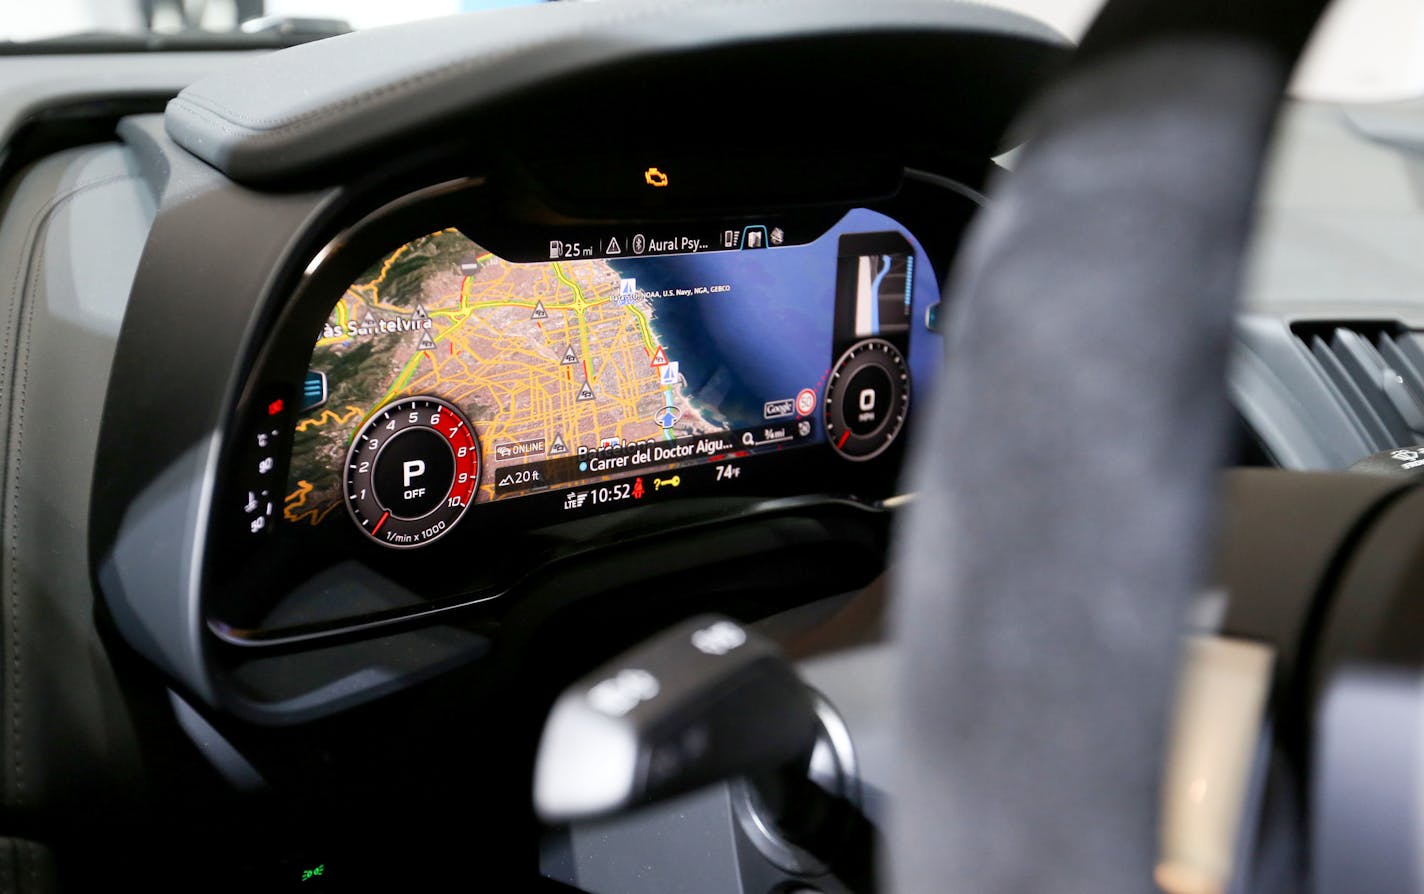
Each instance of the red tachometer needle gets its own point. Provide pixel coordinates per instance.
(840, 443)
(385, 515)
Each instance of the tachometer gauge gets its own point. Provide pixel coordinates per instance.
(412, 472)
(867, 398)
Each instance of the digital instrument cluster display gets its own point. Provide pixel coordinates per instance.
(446, 377)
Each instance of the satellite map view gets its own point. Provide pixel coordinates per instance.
(553, 361)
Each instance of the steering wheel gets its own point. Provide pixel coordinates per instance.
(1068, 483)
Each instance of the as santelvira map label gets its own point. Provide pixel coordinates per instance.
(577, 371)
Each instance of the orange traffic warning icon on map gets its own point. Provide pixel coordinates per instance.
(659, 357)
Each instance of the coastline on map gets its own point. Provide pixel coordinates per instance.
(707, 383)
(703, 418)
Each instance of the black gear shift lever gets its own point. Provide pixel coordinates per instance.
(702, 702)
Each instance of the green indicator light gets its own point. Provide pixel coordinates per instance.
(309, 874)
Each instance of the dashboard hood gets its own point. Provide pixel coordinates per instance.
(951, 68)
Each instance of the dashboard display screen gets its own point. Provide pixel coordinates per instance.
(446, 376)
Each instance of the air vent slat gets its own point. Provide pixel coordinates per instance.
(1377, 383)
(1375, 430)
(1410, 348)
(1407, 390)
(1374, 369)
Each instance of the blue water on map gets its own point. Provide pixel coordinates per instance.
(771, 335)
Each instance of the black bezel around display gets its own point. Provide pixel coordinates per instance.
(292, 588)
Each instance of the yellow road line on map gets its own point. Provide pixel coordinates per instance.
(397, 386)
(579, 305)
(300, 494)
(297, 499)
(329, 415)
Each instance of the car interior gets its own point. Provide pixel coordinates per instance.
(565, 448)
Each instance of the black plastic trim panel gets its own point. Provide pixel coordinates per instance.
(938, 74)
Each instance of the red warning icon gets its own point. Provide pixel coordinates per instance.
(638, 489)
(659, 357)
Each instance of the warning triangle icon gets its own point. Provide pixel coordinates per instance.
(420, 313)
(659, 357)
(570, 356)
(558, 447)
(539, 312)
(426, 343)
(585, 393)
(613, 247)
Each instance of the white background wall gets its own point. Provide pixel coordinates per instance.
(29, 19)
(1370, 50)
(1367, 50)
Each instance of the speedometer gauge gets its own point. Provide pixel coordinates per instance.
(412, 472)
(867, 398)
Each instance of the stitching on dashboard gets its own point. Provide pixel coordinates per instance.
(18, 325)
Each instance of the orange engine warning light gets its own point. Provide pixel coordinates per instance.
(656, 178)
(638, 489)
